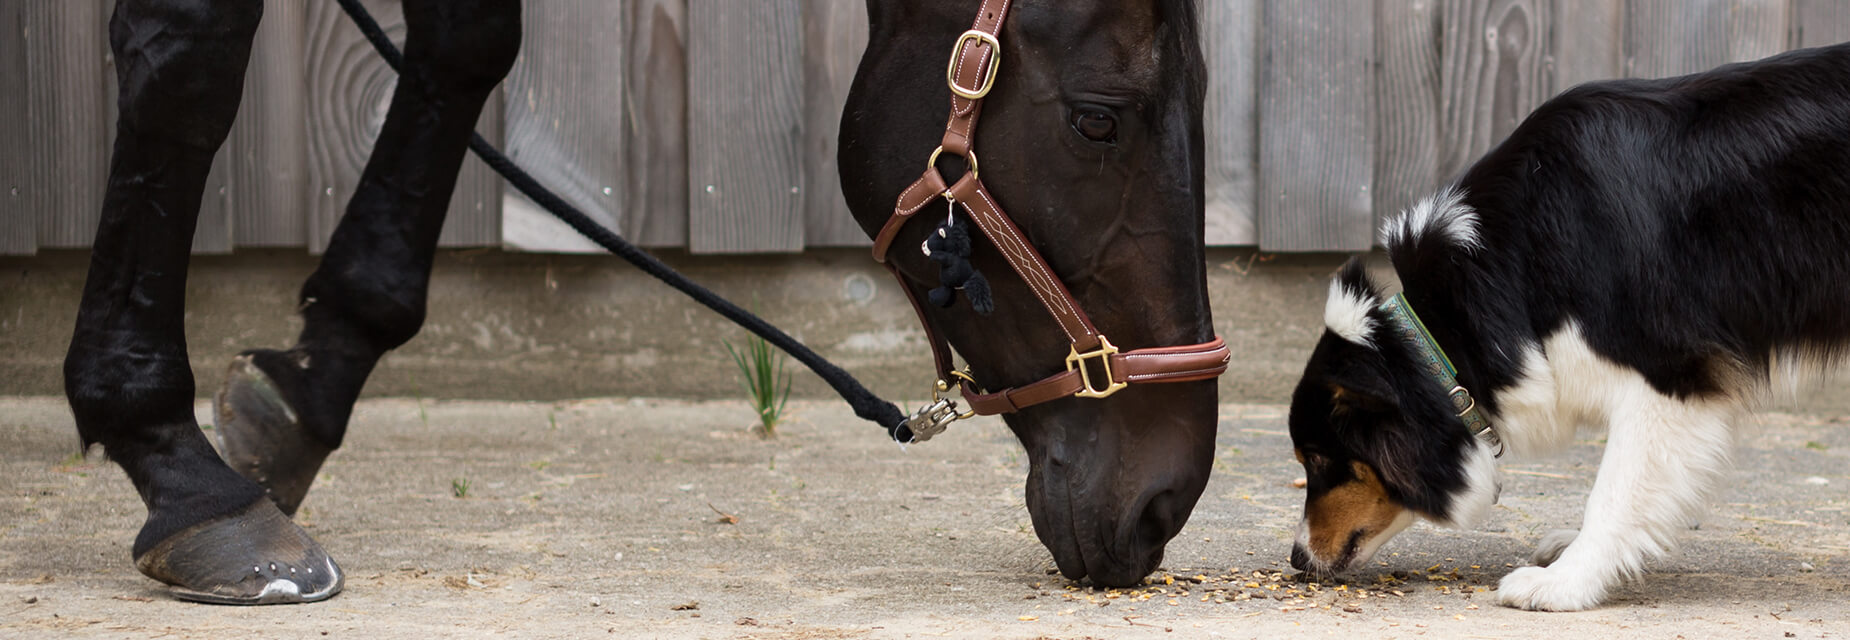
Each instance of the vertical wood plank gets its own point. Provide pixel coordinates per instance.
(212, 233)
(1230, 44)
(1316, 147)
(1492, 74)
(474, 218)
(655, 143)
(745, 126)
(834, 35)
(1406, 104)
(268, 147)
(18, 224)
(349, 90)
(1757, 29)
(565, 121)
(67, 118)
(1674, 37)
(1588, 45)
(1816, 23)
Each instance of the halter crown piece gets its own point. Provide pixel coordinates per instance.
(1438, 367)
(1094, 367)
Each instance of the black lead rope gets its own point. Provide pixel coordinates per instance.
(865, 403)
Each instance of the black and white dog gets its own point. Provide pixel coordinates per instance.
(1643, 256)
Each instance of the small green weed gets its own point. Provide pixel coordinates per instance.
(767, 385)
(459, 487)
(1814, 444)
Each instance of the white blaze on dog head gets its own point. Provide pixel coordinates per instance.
(1443, 215)
(1346, 313)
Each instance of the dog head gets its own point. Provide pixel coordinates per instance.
(1379, 440)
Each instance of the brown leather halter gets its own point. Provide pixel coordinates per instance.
(1094, 367)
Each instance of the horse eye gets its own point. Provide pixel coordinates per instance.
(1096, 124)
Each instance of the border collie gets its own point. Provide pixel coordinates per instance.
(1642, 256)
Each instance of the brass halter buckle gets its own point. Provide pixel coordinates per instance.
(989, 77)
(1076, 361)
(932, 419)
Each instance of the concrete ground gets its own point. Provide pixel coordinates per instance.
(640, 518)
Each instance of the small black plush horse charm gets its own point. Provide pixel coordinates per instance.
(949, 246)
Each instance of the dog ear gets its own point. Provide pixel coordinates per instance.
(1352, 310)
(1361, 386)
(1354, 277)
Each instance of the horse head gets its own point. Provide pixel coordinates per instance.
(1091, 141)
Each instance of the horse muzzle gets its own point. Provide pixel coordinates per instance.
(1106, 495)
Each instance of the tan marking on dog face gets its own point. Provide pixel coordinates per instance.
(1335, 515)
(1339, 400)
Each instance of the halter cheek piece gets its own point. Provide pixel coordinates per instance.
(1094, 367)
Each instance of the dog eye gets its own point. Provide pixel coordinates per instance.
(1096, 123)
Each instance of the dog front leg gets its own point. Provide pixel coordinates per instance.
(1662, 457)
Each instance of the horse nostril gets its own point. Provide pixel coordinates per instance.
(1299, 559)
(1156, 521)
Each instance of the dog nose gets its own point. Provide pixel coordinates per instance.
(1299, 559)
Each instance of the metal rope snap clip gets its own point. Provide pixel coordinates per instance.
(932, 419)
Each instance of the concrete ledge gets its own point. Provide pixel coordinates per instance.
(518, 326)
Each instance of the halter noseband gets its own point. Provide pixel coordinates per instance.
(1094, 367)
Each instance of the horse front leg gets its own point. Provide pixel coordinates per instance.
(209, 532)
(281, 413)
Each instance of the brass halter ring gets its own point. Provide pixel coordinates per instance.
(969, 156)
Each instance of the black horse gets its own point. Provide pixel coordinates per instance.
(211, 532)
(1093, 141)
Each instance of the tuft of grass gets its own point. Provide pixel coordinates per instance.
(459, 487)
(1816, 445)
(767, 385)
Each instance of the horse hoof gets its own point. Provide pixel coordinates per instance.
(253, 556)
(261, 438)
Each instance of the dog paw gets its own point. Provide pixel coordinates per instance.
(1551, 546)
(1545, 589)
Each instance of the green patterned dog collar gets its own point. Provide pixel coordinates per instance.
(1407, 324)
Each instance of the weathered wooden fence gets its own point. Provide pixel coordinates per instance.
(709, 124)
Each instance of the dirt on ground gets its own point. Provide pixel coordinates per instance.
(666, 519)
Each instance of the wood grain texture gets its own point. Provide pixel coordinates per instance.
(834, 35)
(349, 89)
(655, 101)
(68, 101)
(745, 126)
(475, 207)
(268, 146)
(1492, 74)
(1407, 102)
(1758, 28)
(1588, 42)
(565, 121)
(213, 230)
(1675, 37)
(1816, 23)
(1316, 148)
(1230, 44)
(18, 224)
